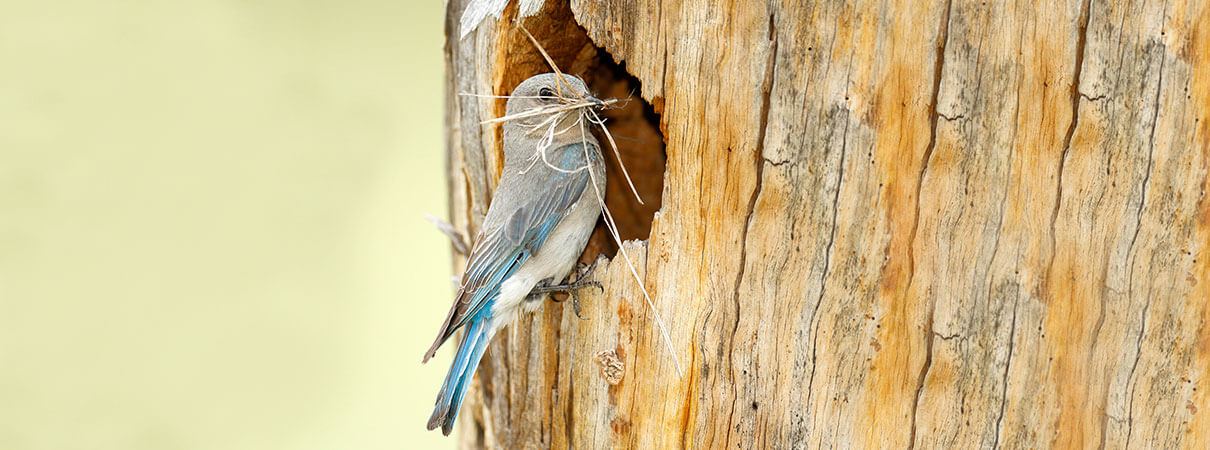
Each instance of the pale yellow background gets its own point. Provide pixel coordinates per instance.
(210, 224)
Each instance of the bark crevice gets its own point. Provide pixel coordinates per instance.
(938, 72)
(1081, 43)
(1130, 250)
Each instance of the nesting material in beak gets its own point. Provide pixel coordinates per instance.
(597, 103)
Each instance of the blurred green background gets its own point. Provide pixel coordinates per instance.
(211, 231)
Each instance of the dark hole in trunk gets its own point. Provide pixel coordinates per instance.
(636, 132)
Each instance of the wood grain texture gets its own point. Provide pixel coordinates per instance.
(882, 224)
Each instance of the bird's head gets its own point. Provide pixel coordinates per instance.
(551, 93)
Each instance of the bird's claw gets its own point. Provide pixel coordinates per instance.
(571, 287)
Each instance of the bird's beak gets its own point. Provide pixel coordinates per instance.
(597, 103)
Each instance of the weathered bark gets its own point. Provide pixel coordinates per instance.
(936, 224)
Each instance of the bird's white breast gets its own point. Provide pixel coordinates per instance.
(554, 260)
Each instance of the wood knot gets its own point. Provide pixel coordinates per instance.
(612, 367)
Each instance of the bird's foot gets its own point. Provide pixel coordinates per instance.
(570, 288)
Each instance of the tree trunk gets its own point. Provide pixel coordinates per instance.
(934, 224)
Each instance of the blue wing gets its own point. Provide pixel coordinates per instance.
(500, 251)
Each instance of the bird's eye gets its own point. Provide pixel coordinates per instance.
(546, 92)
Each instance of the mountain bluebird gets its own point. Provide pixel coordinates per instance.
(543, 211)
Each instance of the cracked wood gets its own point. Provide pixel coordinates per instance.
(939, 224)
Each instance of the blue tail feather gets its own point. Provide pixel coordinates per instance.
(474, 341)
